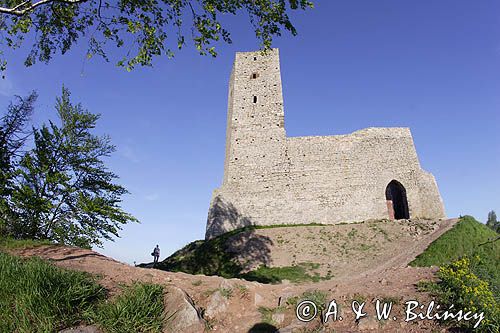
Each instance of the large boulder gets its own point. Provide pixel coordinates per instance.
(181, 313)
(216, 305)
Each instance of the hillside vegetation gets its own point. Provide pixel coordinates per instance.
(36, 296)
(215, 257)
(302, 253)
(469, 273)
(467, 238)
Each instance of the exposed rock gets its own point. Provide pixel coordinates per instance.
(293, 327)
(367, 323)
(258, 300)
(278, 318)
(226, 284)
(216, 305)
(182, 313)
(284, 297)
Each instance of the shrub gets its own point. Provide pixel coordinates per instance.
(467, 238)
(459, 285)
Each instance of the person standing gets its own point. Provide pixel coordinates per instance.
(156, 254)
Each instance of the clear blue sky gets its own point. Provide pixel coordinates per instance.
(433, 66)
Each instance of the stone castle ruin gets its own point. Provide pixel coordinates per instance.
(271, 179)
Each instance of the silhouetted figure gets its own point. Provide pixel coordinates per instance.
(156, 254)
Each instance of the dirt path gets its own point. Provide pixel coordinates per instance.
(239, 312)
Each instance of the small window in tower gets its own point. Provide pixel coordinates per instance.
(255, 99)
(255, 75)
(254, 58)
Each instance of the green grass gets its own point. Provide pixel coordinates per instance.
(227, 293)
(139, 308)
(465, 239)
(469, 274)
(36, 296)
(204, 257)
(287, 226)
(318, 297)
(295, 274)
(10, 243)
(212, 257)
(267, 313)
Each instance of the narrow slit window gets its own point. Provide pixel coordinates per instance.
(255, 75)
(255, 99)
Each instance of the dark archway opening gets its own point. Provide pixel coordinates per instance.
(397, 203)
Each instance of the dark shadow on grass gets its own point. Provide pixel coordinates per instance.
(236, 249)
(229, 255)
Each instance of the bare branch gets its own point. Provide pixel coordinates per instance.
(490, 241)
(26, 6)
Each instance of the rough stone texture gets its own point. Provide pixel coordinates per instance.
(184, 316)
(368, 323)
(216, 305)
(270, 178)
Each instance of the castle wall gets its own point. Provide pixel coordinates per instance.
(273, 179)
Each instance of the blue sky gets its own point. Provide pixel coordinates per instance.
(433, 66)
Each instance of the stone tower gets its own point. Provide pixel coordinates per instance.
(270, 178)
(255, 134)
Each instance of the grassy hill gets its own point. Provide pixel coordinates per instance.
(37, 296)
(216, 257)
(467, 238)
(301, 253)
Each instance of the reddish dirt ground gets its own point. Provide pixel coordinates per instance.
(387, 277)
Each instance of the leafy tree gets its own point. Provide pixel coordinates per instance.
(13, 131)
(492, 222)
(63, 190)
(13, 135)
(142, 27)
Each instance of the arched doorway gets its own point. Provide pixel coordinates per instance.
(397, 203)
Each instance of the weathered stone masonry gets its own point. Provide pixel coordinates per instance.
(270, 178)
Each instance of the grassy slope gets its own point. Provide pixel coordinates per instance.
(204, 257)
(465, 238)
(462, 239)
(36, 296)
(9, 243)
(212, 258)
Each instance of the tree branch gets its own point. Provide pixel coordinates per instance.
(490, 241)
(28, 6)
